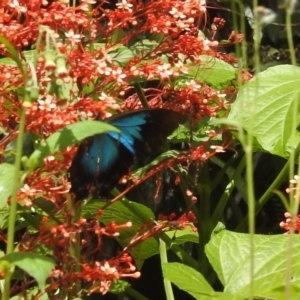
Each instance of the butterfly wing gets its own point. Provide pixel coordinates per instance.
(99, 163)
(144, 130)
(103, 159)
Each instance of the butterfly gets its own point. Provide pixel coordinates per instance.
(103, 159)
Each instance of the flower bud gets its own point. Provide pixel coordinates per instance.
(61, 66)
(50, 60)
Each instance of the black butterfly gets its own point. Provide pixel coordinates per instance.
(101, 160)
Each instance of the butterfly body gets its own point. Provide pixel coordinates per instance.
(101, 160)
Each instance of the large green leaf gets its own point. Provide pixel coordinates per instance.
(193, 282)
(265, 106)
(7, 173)
(34, 264)
(67, 136)
(125, 211)
(122, 212)
(213, 71)
(275, 264)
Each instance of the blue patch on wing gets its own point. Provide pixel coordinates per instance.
(109, 153)
(130, 127)
(102, 154)
(131, 120)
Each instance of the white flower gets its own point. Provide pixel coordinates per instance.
(118, 75)
(73, 38)
(218, 149)
(177, 14)
(46, 104)
(165, 70)
(125, 5)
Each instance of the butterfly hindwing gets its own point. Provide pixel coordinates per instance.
(80, 175)
(101, 160)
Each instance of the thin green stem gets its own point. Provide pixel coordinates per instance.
(219, 210)
(243, 30)
(266, 196)
(251, 209)
(136, 295)
(184, 187)
(240, 51)
(294, 194)
(203, 214)
(164, 260)
(224, 168)
(248, 148)
(257, 38)
(289, 34)
(205, 226)
(141, 95)
(38, 42)
(16, 186)
(13, 203)
(76, 249)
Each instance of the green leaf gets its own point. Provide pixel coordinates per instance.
(182, 236)
(229, 254)
(193, 282)
(31, 294)
(265, 108)
(122, 212)
(213, 71)
(7, 61)
(144, 47)
(27, 148)
(166, 155)
(65, 137)
(14, 54)
(34, 264)
(122, 57)
(127, 211)
(11, 62)
(117, 35)
(4, 214)
(118, 286)
(63, 90)
(7, 174)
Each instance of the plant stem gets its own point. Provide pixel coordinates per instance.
(204, 224)
(141, 95)
(219, 210)
(13, 203)
(268, 193)
(76, 249)
(164, 260)
(293, 195)
(136, 295)
(289, 33)
(241, 51)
